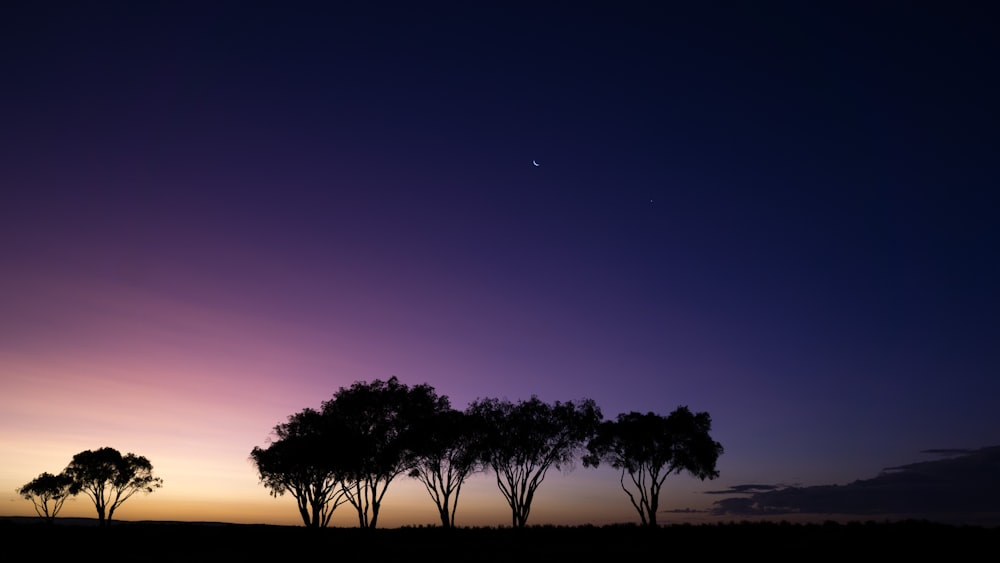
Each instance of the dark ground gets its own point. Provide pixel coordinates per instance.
(138, 542)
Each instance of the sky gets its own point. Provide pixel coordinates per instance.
(214, 215)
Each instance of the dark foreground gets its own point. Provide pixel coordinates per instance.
(188, 542)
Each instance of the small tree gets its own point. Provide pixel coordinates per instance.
(649, 447)
(47, 492)
(522, 441)
(447, 457)
(303, 461)
(109, 479)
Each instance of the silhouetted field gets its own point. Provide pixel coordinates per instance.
(190, 542)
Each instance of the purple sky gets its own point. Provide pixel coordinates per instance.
(215, 214)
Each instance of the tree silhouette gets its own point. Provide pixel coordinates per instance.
(447, 456)
(109, 479)
(649, 447)
(522, 441)
(381, 421)
(47, 492)
(305, 461)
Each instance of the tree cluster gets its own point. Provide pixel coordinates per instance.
(350, 449)
(104, 475)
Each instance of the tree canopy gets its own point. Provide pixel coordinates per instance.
(47, 492)
(522, 441)
(649, 447)
(109, 479)
(359, 441)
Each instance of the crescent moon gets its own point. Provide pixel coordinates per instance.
(535, 163)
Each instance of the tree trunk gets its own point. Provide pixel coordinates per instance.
(654, 503)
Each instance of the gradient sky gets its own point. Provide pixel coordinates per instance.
(215, 214)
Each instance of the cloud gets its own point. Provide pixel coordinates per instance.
(745, 489)
(965, 482)
(948, 452)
